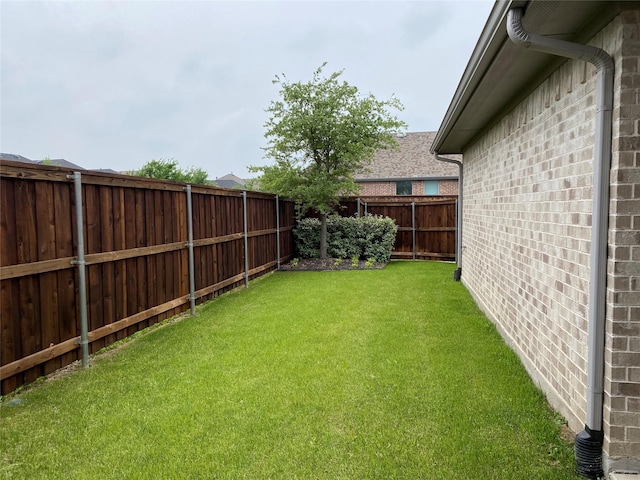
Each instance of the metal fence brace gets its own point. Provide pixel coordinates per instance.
(82, 278)
(192, 281)
(246, 239)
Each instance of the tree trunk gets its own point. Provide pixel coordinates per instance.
(323, 236)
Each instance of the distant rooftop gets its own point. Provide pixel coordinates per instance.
(412, 160)
(230, 181)
(60, 162)
(57, 162)
(15, 158)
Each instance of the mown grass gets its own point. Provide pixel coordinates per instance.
(392, 373)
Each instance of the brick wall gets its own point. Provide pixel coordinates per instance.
(374, 189)
(527, 222)
(622, 376)
(448, 187)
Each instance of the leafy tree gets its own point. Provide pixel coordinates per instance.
(168, 169)
(319, 135)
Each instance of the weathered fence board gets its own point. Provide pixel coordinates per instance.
(136, 262)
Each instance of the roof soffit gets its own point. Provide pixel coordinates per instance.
(500, 74)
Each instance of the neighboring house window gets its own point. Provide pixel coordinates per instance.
(404, 187)
(432, 187)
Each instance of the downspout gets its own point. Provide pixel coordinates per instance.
(588, 442)
(457, 275)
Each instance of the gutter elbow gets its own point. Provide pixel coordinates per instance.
(602, 61)
(554, 46)
(515, 30)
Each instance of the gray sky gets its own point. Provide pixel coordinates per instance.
(116, 84)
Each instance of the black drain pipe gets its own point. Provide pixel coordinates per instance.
(589, 442)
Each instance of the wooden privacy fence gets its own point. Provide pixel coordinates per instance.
(426, 224)
(148, 249)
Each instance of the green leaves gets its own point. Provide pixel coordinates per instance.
(169, 170)
(368, 237)
(320, 133)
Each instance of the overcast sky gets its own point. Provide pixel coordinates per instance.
(116, 84)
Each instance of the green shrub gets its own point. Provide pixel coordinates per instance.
(378, 237)
(307, 234)
(342, 239)
(365, 237)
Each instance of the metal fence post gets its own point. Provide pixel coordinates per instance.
(413, 228)
(80, 261)
(278, 231)
(192, 281)
(246, 239)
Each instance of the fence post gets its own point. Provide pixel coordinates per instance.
(413, 228)
(80, 261)
(192, 281)
(246, 239)
(278, 231)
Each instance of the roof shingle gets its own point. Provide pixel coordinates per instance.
(412, 160)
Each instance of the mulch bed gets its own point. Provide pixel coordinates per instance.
(319, 264)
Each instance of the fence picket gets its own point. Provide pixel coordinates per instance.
(426, 224)
(136, 258)
(137, 255)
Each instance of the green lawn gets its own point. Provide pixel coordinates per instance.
(372, 374)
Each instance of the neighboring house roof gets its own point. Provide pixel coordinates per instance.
(15, 158)
(230, 181)
(60, 162)
(413, 160)
(499, 74)
(57, 162)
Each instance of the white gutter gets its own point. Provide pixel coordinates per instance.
(481, 57)
(589, 442)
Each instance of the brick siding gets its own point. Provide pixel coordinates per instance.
(376, 189)
(622, 375)
(526, 236)
(448, 187)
